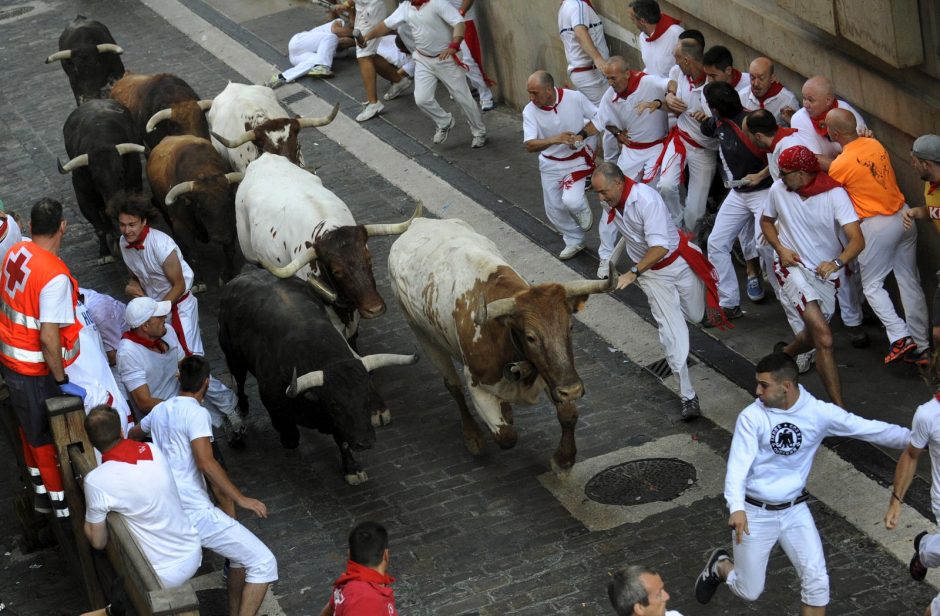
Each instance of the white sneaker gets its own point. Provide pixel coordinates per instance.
(371, 110)
(397, 89)
(478, 141)
(805, 361)
(603, 269)
(570, 251)
(320, 70)
(487, 105)
(584, 218)
(440, 136)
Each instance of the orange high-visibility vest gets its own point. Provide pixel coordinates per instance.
(26, 269)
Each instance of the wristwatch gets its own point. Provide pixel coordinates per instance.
(636, 272)
(838, 262)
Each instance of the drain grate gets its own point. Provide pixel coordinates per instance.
(15, 11)
(637, 482)
(660, 368)
(296, 96)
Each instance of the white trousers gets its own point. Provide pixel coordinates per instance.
(795, 530)
(593, 84)
(309, 49)
(428, 71)
(177, 573)
(891, 248)
(228, 538)
(849, 293)
(739, 212)
(636, 165)
(475, 75)
(562, 200)
(930, 551)
(675, 295)
(701, 163)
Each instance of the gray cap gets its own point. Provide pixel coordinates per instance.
(927, 147)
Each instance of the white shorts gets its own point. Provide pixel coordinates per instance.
(227, 537)
(367, 19)
(800, 286)
(177, 573)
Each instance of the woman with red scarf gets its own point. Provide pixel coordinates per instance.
(365, 588)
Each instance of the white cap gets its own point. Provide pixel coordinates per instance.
(139, 310)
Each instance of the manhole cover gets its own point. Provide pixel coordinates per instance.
(14, 12)
(649, 480)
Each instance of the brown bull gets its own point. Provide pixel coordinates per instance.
(162, 105)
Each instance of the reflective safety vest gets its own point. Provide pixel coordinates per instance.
(26, 269)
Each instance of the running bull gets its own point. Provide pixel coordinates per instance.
(90, 58)
(162, 105)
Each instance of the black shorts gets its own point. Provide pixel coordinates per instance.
(28, 395)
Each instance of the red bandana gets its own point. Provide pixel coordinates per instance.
(633, 82)
(128, 451)
(782, 131)
(139, 244)
(933, 186)
(665, 22)
(818, 120)
(735, 77)
(157, 345)
(559, 93)
(418, 3)
(694, 83)
(355, 571)
(628, 185)
(773, 90)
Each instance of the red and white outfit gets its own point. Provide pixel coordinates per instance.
(135, 481)
(639, 160)
(658, 49)
(362, 590)
(925, 434)
(564, 171)
(472, 54)
(775, 100)
(688, 146)
(311, 48)
(9, 234)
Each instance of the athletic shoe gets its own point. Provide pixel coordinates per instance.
(858, 337)
(584, 218)
(734, 312)
(603, 269)
(570, 251)
(371, 110)
(708, 580)
(276, 81)
(320, 70)
(900, 348)
(691, 409)
(919, 358)
(478, 141)
(755, 289)
(487, 105)
(805, 361)
(917, 568)
(440, 136)
(397, 89)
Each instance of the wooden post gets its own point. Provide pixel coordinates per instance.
(67, 420)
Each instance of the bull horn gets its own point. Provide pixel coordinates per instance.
(493, 310)
(245, 137)
(384, 360)
(179, 190)
(312, 122)
(327, 294)
(587, 287)
(205, 105)
(129, 148)
(65, 54)
(109, 48)
(163, 114)
(235, 177)
(299, 385)
(393, 229)
(291, 268)
(72, 165)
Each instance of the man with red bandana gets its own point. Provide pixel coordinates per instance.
(659, 35)
(765, 92)
(365, 588)
(808, 207)
(925, 157)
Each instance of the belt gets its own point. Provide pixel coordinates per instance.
(779, 506)
(644, 145)
(582, 69)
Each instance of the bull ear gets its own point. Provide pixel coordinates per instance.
(299, 385)
(65, 54)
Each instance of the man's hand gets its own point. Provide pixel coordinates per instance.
(786, 113)
(752, 179)
(566, 138)
(675, 104)
(623, 138)
(864, 132)
(625, 280)
(789, 258)
(893, 515)
(907, 218)
(446, 53)
(133, 289)
(646, 106)
(826, 269)
(738, 522)
(698, 116)
(253, 504)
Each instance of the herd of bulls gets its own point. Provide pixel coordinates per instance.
(230, 169)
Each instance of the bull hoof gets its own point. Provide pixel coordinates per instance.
(381, 418)
(357, 478)
(105, 260)
(561, 471)
(473, 443)
(198, 288)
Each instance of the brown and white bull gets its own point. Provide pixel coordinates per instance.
(249, 120)
(90, 58)
(162, 105)
(466, 304)
(191, 185)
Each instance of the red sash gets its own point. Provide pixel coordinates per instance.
(177, 324)
(472, 39)
(702, 268)
(569, 180)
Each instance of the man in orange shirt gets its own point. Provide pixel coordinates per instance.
(865, 172)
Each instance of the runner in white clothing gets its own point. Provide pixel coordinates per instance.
(765, 92)
(659, 35)
(632, 110)
(719, 66)
(472, 55)
(556, 124)
(9, 234)
(772, 450)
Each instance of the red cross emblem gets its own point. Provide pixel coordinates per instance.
(16, 271)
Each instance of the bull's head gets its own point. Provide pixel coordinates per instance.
(183, 118)
(113, 169)
(345, 263)
(343, 387)
(539, 320)
(91, 69)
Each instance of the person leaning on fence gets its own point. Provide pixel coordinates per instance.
(365, 588)
(135, 481)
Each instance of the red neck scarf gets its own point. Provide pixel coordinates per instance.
(628, 185)
(419, 3)
(694, 83)
(356, 572)
(772, 91)
(139, 244)
(633, 82)
(933, 186)
(157, 345)
(823, 182)
(742, 136)
(128, 451)
(735, 77)
(665, 22)
(559, 93)
(818, 120)
(782, 131)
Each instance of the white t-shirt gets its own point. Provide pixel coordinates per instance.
(55, 301)
(174, 424)
(658, 56)
(432, 25)
(572, 112)
(147, 264)
(13, 236)
(621, 113)
(645, 222)
(471, 14)
(789, 141)
(774, 104)
(145, 495)
(925, 432)
(811, 226)
(694, 97)
(368, 14)
(820, 143)
(138, 366)
(108, 315)
(573, 13)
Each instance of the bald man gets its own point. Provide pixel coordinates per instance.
(864, 170)
(765, 92)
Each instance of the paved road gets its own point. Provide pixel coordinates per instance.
(469, 535)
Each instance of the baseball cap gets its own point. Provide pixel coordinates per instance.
(927, 147)
(140, 309)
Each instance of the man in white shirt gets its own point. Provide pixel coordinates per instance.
(719, 66)
(659, 35)
(775, 440)
(135, 481)
(472, 55)
(438, 30)
(556, 124)
(632, 110)
(765, 92)
(809, 207)
(180, 427)
(638, 591)
(9, 233)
